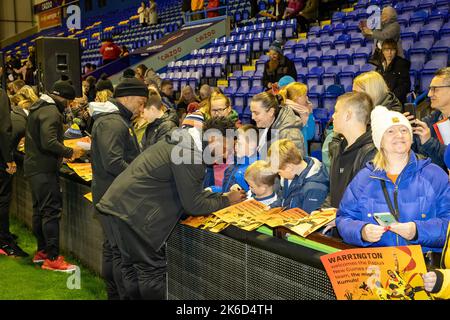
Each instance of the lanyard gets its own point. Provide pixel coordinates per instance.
(394, 211)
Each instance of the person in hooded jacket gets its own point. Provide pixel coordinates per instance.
(114, 147)
(8, 244)
(352, 146)
(161, 120)
(44, 152)
(278, 122)
(304, 180)
(148, 199)
(415, 192)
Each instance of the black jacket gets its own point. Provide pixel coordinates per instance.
(156, 130)
(19, 124)
(285, 68)
(433, 148)
(114, 145)
(44, 135)
(397, 77)
(5, 131)
(391, 102)
(346, 163)
(156, 189)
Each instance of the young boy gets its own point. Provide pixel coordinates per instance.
(261, 181)
(246, 153)
(304, 182)
(161, 120)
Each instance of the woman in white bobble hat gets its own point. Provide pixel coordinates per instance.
(414, 191)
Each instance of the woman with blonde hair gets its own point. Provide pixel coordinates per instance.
(414, 192)
(187, 96)
(374, 85)
(295, 96)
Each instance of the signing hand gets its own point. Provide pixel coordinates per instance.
(405, 230)
(422, 130)
(236, 196)
(429, 280)
(11, 167)
(372, 232)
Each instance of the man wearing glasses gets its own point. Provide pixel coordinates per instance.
(425, 139)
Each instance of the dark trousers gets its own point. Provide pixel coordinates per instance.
(112, 262)
(47, 205)
(302, 24)
(5, 200)
(144, 266)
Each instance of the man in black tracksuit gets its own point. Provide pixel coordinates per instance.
(114, 147)
(149, 197)
(44, 152)
(7, 168)
(352, 147)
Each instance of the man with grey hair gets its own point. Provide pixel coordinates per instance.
(425, 138)
(390, 29)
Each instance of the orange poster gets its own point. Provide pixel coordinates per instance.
(385, 273)
(50, 18)
(84, 143)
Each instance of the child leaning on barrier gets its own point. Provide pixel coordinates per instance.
(304, 181)
(261, 181)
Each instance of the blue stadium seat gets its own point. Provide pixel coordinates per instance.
(440, 50)
(240, 97)
(344, 56)
(313, 60)
(289, 46)
(367, 68)
(342, 41)
(301, 74)
(291, 28)
(253, 92)
(347, 74)
(314, 76)
(328, 58)
(419, 51)
(326, 43)
(330, 75)
(235, 80)
(315, 95)
(361, 55)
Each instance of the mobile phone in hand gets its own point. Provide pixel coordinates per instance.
(411, 108)
(384, 219)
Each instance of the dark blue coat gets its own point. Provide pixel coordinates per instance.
(307, 190)
(432, 148)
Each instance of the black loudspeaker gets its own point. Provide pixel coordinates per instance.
(3, 73)
(58, 57)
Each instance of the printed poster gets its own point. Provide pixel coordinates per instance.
(83, 170)
(385, 273)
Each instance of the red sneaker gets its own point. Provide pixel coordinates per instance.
(2, 253)
(39, 257)
(58, 265)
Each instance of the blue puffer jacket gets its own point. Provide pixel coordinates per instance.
(307, 190)
(423, 197)
(234, 174)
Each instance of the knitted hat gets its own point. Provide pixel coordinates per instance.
(276, 46)
(382, 119)
(73, 132)
(284, 81)
(104, 84)
(447, 156)
(64, 90)
(131, 87)
(194, 120)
